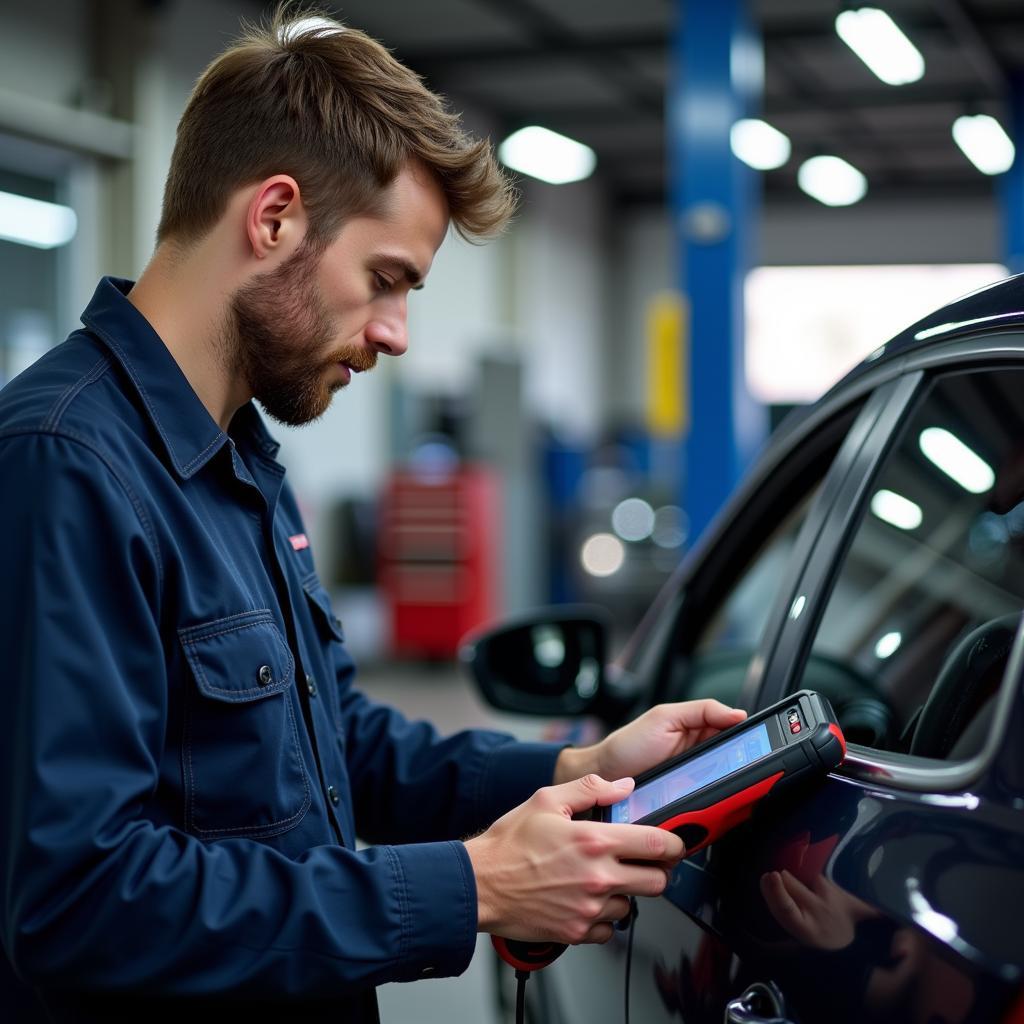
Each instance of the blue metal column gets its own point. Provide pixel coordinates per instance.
(717, 79)
(1011, 185)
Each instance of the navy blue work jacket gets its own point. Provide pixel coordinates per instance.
(184, 760)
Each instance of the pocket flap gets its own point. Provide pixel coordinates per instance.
(320, 603)
(238, 658)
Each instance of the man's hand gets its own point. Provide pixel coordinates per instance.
(541, 875)
(657, 735)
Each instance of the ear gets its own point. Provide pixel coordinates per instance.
(276, 219)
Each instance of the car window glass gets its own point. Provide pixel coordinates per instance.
(716, 665)
(915, 636)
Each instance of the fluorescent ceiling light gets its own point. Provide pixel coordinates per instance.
(888, 645)
(758, 144)
(956, 460)
(547, 155)
(33, 222)
(984, 143)
(896, 510)
(831, 180)
(880, 43)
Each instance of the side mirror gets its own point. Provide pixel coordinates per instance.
(551, 663)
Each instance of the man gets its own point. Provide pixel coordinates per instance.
(185, 761)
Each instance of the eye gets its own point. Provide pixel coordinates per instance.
(381, 283)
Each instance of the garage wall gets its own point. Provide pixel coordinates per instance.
(794, 234)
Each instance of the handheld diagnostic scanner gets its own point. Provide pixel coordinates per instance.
(706, 791)
(703, 793)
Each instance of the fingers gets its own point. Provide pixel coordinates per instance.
(589, 791)
(697, 715)
(779, 901)
(599, 933)
(637, 880)
(615, 910)
(644, 843)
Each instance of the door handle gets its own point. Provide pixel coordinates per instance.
(762, 1003)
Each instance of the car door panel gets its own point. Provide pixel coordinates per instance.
(892, 890)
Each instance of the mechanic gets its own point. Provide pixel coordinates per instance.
(186, 763)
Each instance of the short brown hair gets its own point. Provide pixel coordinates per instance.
(331, 107)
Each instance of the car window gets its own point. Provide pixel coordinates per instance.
(913, 642)
(730, 600)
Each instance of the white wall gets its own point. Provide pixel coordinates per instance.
(792, 234)
(560, 272)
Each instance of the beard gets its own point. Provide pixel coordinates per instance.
(278, 338)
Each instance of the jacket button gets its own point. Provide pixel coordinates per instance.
(333, 794)
(265, 676)
(311, 685)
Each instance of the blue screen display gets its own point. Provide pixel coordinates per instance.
(743, 749)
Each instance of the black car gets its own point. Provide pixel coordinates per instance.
(874, 554)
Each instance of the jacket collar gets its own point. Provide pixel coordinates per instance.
(190, 434)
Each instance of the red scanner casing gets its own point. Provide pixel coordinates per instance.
(816, 747)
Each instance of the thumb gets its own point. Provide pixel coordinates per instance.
(591, 791)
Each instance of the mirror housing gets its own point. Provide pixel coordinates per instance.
(550, 662)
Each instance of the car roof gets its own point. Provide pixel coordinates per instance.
(994, 306)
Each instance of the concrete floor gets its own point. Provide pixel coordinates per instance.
(445, 696)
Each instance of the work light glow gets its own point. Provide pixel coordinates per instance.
(758, 144)
(33, 222)
(832, 181)
(881, 44)
(896, 510)
(956, 460)
(633, 519)
(602, 554)
(984, 142)
(546, 155)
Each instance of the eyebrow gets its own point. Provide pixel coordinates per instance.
(405, 268)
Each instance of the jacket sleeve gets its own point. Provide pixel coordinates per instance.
(100, 894)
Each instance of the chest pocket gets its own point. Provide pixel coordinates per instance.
(328, 624)
(241, 760)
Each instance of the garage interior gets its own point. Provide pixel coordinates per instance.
(580, 396)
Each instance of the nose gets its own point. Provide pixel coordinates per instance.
(389, 335)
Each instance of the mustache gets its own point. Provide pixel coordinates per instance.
(360, 359)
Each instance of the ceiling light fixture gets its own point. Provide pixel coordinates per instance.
(758, 144)
(896, 510)
(888, 645)
(36, 223)
(881, 44)
(832, 181)
(956, 460)
(984, 142)
(546, 155)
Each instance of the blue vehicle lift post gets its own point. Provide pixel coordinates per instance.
(1011, 185)
(716, 79)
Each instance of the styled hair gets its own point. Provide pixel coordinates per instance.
(307, 96)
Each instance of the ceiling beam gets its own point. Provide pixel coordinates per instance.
(974, 45)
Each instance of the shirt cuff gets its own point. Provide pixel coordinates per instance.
(513, 773)
(436, 891)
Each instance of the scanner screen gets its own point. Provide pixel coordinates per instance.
(745, 748)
